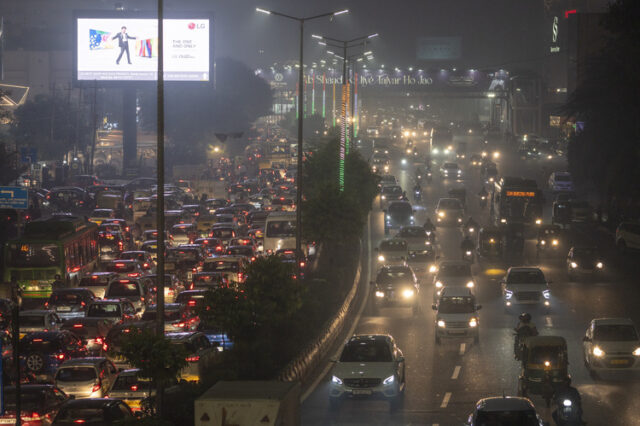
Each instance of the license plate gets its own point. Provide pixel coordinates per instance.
(619, 362)
(63, 308)
(457, 331)
(7, 421)
(362, 392)
(22, 335)
(189, 276)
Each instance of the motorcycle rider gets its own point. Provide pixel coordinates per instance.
(566, 392)
(466, 245)
(483, 195)
(524, 328)
(417, 190)
(429, 226)
(471, 224)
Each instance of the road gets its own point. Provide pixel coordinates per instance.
(444, 382)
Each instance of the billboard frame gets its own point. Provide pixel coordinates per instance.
(112, 14)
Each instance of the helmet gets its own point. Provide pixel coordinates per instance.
(525, 317)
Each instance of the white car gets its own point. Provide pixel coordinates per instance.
(525, 286)
(449, 211)
(457, 314)
(369, 366)
(628, 236)
(452, 273)
(611, 344)
(560, 182)
(508, 409)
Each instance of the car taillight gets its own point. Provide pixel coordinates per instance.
(99, 340)
(134, 387)
(34, 416)
(77, 325)
(191, 303)
(105, 346)
(60, 356)
(240, 276)
(145, 265)
(134, 274)
(96, 387)
(194, 358)
(46, 305)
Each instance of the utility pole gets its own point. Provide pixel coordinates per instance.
(94, 126)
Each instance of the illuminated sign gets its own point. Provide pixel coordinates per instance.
(520, 194)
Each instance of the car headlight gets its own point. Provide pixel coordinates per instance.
(543, 242)
(381, 258)
(459, 220)
(574, 265)
(438, 284)
(637, 352)
(496, 154)
(408, 293)
(554, 242)
(599, 265)
(432, 268)
(389, 380)
(336, 380)
(459, 172)
(404, 161)
(388, 217)
(441, 214)
(508, 294)
(567, 403)
(598, 352)
(384, 197)
(412, 218)
(546, 294)
(435, 151)
(470, 284)
(379, 293)
(473, 322)
(503, 220)
(441, 323)
(538, 221)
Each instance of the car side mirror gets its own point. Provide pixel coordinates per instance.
(586, 339)
(478, 307)
(434, 307)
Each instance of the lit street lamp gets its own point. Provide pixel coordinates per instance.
(300, 116)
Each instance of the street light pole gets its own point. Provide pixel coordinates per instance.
(300, 119)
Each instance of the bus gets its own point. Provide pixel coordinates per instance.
(517, 200)
(61, 244)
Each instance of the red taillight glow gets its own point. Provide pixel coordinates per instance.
(96, 387)
(77, 326)
(99, 340)
(133, 274)
(194, 358)
(76, 269)
(79, 421)
(120, 265)
(60, 356)
(134, 387)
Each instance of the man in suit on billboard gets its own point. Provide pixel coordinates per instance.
(123, 43)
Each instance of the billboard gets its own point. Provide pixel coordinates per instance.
(126, 49)
(438, 48)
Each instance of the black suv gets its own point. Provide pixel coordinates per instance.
(70, 302)
(397, 285)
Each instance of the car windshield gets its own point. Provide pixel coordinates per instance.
(221, 266)
(563, 178)
(168, 315)
(400, 209)
(104, 310)
(65, 299)
(507, 418)
(615, 333)
(131, 382)
(33, 255)
(454, 270)
(393, 245)
(390, 276)
(541, 354)
(281, 228)
(392, 190)
(526, 277)
(94, 280)
(42, 344)
(366, 351)
(121, 267)
(181, 230)
(76, 374)
(456, 305)
(120, 289)
(451, 166)
(71, 415)
(132, 256)
(179, 255)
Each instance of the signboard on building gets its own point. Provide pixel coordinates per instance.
(438, 48)
(13, 197)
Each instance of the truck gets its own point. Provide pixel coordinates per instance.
(268, 403)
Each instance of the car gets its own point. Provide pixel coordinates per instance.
(611, 344)
(132, 389)
(524, 285)
(560, 181)
(628, 236)
(172, 286)
(89, 377)
(232, 267)
(369, 366)
(451, 171)
(191, 298)
(415, 236)
(452, 273)
(241, 250)
(70, 302)
(184, 233)
(97, 282)
(201, 354)
(135, 291)
(398, 214)
(176, 317)
(211, 246)
(422, 259)
(38, 320)
(392, 251)
(387, 180)
(207, 281)
(457, 314)
(125, 268)
(449, 211)
(113, 310)
(99, 215)
(91, 331)
(143, 257)
(213, 204)
(397, 285)
(475, 160)
(94, 411)
(151, 247)
(39, 403)
(504, 410)
(389, 194)
(584, 260)
(110, 244)
(42, 352)
(224, 232)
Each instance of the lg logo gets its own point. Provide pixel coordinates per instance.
(555, 29)
(193, 26)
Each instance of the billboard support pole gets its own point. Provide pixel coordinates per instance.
(94, 127)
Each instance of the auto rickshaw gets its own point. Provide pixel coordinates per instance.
(489, 242)
(544, 366)
(548, 238)
(460, 194)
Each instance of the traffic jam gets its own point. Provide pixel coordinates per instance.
(86, 273)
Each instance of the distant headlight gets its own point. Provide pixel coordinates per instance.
(438, 284)
(470, 284)
(404, 161)
(379, 293)
(336, 380)
(574, 265)
(598, 352)
(459, 220)
(554, 242)
(599, 265)
(637, 352)
(473, 322)
(543, 242)
(389, 380)
(384, 197)
(503, 220)
(496, 154)
(538, 221)
(408, 293)
(459, 172)
(441, 214)
(381, 258)
(567, 403)
(435, 151)
(441, 323)
(432, 268)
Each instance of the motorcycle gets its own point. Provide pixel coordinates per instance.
(483, 202)
(429, 177)
(431, 235)
(567, 411)
(467, 255)
(417, 195)
(471, 230)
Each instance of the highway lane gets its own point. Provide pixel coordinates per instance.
(444, 382)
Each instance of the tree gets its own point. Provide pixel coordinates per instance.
(10, 169)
